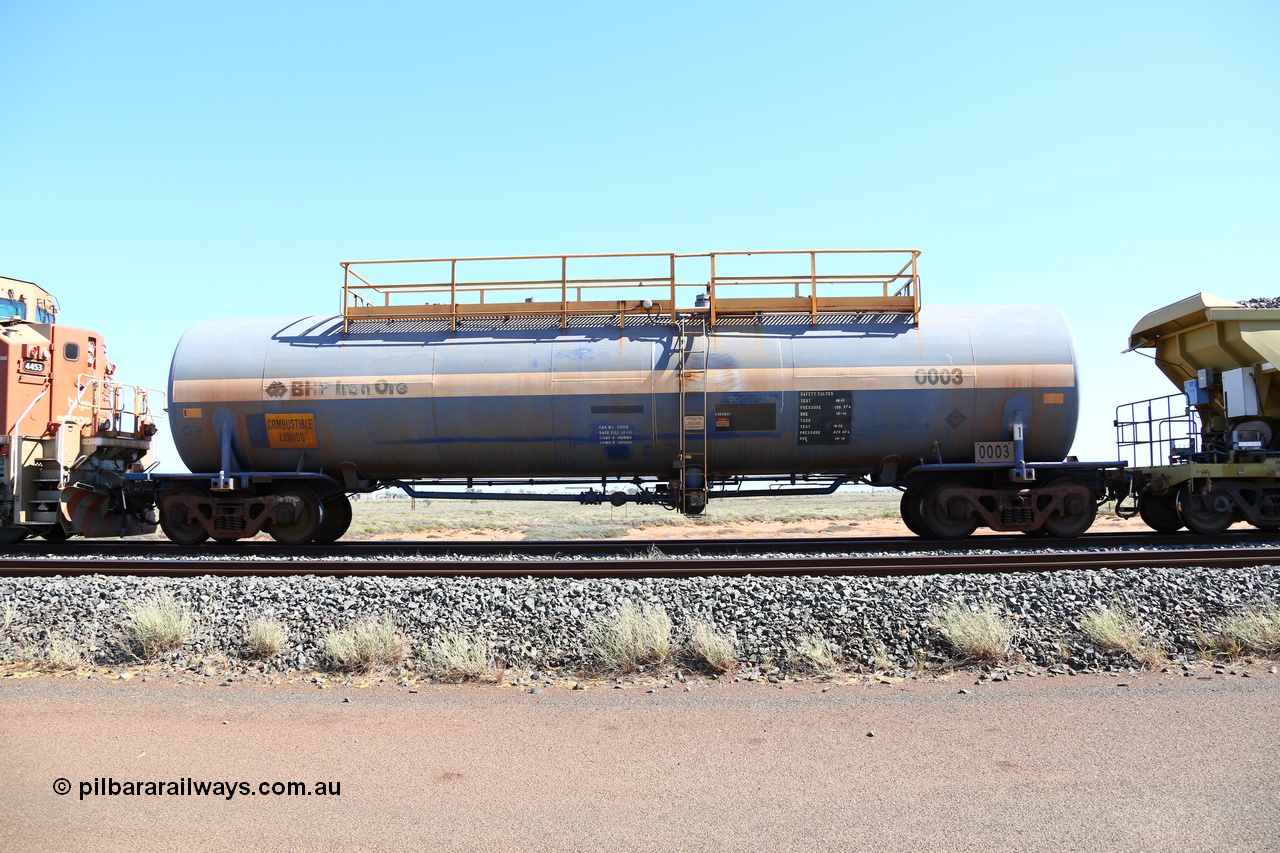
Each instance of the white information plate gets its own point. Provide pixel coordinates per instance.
(993, 451)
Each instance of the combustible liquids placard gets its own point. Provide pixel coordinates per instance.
(826, 417)
(289, 431)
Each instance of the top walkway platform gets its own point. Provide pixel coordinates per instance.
(675, 287)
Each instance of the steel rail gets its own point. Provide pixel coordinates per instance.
(560, 567)
(382, 549)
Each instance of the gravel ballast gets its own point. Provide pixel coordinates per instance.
(541, 623)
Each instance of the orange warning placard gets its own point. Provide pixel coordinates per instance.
(291, 430)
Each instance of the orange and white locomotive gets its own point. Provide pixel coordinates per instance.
(71, 431)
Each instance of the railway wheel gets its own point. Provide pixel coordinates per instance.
(12, 535)
(1160, 512)
(1078, 510)
(178, 520)
(337, 518)
(909, 509)
(297, 519)
(1202, 513)
(946, 513)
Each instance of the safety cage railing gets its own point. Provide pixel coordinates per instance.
(1158, 431)
(667, 285)
(117, 409)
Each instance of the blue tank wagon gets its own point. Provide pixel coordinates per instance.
(782, 369)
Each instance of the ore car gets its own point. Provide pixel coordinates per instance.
(1208, 456)
(656, 378)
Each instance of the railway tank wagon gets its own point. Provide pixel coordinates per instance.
(451, 382)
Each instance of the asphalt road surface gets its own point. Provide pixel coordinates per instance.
(1145, 762)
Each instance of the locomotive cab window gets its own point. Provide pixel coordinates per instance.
(71, 352)
(11, 308)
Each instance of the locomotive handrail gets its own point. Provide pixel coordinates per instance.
(649, 290)
(106, 396)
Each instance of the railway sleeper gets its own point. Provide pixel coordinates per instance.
(1063, 507)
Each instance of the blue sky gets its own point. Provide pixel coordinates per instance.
(165, 162)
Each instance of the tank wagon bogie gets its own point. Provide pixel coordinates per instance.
(293, 510)
(844, 378)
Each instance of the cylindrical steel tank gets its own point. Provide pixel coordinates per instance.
(410, 399)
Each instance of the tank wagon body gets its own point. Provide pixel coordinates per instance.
(782, 398)
(72, 433)
(957, 406)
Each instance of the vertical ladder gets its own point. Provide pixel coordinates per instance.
(693, 415)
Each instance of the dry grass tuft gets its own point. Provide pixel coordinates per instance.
(158, 626)
(264, 638)
(710, 650)
(1114, 629)
(63, 655)
(631, 638)
(1255, 631)
(455, 657)
(879, 656)
(365, 646)
(814, 655)
(981, 634)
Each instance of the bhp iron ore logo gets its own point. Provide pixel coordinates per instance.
(276, 389)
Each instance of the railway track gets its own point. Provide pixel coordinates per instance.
(655, 558)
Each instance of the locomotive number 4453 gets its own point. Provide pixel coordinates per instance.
(993, 451)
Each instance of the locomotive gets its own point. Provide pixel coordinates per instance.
(72, 432)
(657, 378)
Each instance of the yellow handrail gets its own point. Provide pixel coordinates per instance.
(661, 283)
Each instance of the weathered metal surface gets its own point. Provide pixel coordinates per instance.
(401, 400)
(1207, 331)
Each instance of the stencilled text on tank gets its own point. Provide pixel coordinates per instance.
(611, 435)
(825, 418)
(332, 389)
(940, 376)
